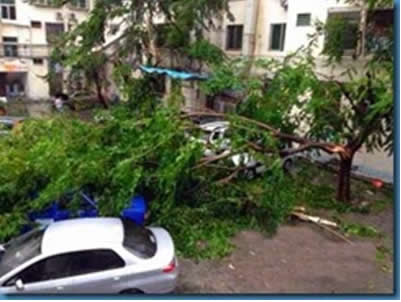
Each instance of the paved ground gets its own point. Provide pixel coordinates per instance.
(374, 165)
(298, 259)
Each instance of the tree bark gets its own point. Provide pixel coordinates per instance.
(100, 96)
(344, 179)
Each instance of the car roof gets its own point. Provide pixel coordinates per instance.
(214, 125)
(82, 234)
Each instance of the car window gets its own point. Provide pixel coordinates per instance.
(44, 270)
(69, 265)
(88, 262)
(21, 250)
(215, 136)
(138, 240)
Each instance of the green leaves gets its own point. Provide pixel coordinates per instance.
(204, 51)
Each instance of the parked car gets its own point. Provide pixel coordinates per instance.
(217, 142)
(89, 256)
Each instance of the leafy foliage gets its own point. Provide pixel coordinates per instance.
(132, 150)
(337, 31)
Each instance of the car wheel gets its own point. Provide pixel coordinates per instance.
(250, 173)
(288, 165)
(132, 292)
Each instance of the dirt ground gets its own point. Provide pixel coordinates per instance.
(300, 258)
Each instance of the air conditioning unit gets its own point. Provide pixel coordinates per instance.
(59, 16)
(284, 4)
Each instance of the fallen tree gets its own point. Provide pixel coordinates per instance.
(301, 107)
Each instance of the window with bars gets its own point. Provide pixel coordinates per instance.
(234, 37)
(10, 47)
(277, 36)
(81, 4)
(303, 19)
(8, 11)
(50, 3)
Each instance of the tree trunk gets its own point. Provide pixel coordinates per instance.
(344, 179)
(100, 96)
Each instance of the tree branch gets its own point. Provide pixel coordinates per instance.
(209, 160)
(227, 180)
(305, 143)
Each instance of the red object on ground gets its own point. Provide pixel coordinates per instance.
(377, 183)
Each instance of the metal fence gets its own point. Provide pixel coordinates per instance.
(24, 50)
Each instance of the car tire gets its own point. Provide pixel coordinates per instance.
(288, 166)
(132, 292)
(250, 173)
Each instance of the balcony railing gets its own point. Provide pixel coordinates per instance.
(24, 51)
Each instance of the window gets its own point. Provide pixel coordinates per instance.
(51, 3)
(138, 240)
(10, 45)
(234, 37)
(37, 61)
(277, 38)
(69, 265)
(82, 4)
(303, 19)
(379, 31)
(8, 9)
(348, 23)
(14, 89)
(53, 32)
(36, 24)
(20, 250)
(88, 262)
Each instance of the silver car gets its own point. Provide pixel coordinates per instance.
(89, 256)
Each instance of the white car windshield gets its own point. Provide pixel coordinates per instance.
(20, 250)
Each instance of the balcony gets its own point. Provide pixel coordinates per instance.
(9, 50)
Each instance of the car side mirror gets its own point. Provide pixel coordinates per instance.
(19, 285)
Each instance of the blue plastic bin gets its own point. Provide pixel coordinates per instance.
(136, 211)
(53, 212)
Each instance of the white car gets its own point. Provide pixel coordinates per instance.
(216, 136)
(89, 256)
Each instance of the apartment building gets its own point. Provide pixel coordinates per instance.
(275, 28)
(27, 31)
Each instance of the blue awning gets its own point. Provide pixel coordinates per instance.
(178, 75)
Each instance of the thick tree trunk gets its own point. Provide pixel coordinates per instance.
(344, 179)
(100, 96)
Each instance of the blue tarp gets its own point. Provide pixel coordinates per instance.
(178, 75)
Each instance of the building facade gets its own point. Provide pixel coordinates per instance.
(276, 28)
(27, 31)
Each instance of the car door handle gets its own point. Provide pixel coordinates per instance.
(116, 278)
(60, 288)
